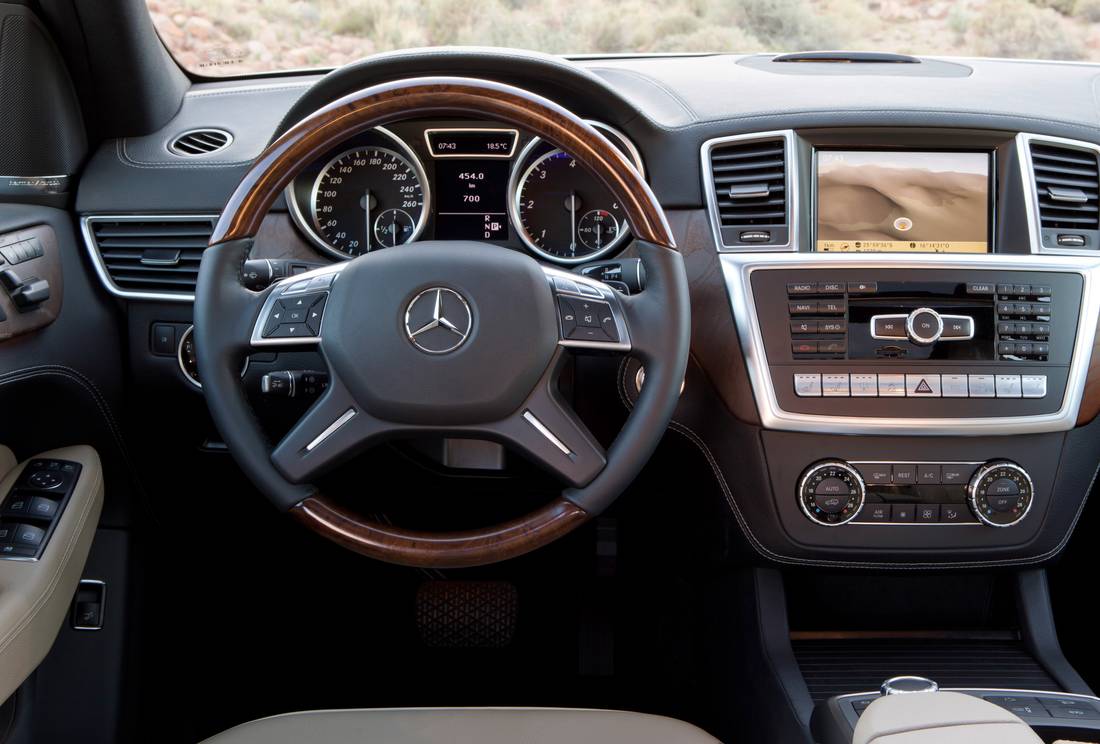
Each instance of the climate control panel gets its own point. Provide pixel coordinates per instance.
(998, 493)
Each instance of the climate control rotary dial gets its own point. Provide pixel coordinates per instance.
(831, 493)
(1001, 493)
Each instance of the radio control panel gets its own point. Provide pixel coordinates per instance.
(870, 342)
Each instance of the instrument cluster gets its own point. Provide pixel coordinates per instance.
(458, 180)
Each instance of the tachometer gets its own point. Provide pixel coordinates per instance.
(565, 213)
(368, 198)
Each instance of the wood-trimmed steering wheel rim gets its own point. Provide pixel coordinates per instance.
(423, 97)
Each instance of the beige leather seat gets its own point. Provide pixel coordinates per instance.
(465, 726)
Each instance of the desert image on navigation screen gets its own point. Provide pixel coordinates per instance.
(931, 202)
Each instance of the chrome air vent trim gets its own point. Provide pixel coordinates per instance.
(1024, 141)
(791, 171)
(91, 243)
(196, 143)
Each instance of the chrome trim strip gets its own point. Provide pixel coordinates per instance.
(100, 265)
(1031, 197)
(738, 268)
(792, 191)
(345, 417)
(540, 427)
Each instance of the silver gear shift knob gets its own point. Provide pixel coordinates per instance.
(905, 685)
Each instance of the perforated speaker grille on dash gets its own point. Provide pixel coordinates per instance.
(39, 116)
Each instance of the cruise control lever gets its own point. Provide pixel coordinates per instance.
(625, 274)
(260, 273)
(294, 383)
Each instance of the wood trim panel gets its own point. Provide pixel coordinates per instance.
(437, 96)
(439, 549)
(1090, 398)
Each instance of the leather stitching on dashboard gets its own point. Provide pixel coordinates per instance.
(126, 159)
(695, 439)
(786, 116)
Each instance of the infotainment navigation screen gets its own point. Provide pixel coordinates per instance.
(885, 201)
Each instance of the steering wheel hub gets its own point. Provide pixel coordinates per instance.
(440, 333)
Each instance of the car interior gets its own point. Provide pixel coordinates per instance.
(482, 394)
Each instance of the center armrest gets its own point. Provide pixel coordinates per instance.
(940, 718)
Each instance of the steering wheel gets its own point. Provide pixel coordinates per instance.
(454, 338)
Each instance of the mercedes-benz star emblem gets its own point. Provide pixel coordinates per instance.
(438, 320)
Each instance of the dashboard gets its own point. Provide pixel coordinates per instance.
(894, 271)
(458, 180)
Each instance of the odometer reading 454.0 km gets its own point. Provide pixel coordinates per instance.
(368, 198)
(565, 212)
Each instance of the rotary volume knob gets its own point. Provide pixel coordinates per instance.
(831, 493)
(1001, 493)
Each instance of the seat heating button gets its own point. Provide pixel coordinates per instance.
(1034, 386)
(1008, 386)
(864, 386)
(835, 385)
(807, 385)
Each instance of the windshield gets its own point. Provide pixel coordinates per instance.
(235, 37)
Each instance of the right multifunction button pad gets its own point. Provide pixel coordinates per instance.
(31, 509)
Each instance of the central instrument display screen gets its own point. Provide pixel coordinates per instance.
(472, 199)
(880, 201)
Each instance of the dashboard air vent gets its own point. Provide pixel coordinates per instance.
(750, 191)
(200, 142)
(1066, 184)
(150, 256)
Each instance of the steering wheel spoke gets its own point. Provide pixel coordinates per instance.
(548, 431)
(334, 429)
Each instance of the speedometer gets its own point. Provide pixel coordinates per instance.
(368, 198)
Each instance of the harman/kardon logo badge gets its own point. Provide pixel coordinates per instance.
(438, 320)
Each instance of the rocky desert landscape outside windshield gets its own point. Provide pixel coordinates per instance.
(236, 37)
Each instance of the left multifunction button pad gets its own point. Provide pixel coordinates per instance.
(33, 506)
(294, 311)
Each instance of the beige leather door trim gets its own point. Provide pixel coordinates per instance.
(35, 595)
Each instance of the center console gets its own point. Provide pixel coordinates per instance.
(917, 325)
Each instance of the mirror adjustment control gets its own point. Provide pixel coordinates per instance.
(831, 493)
(1001, 493)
